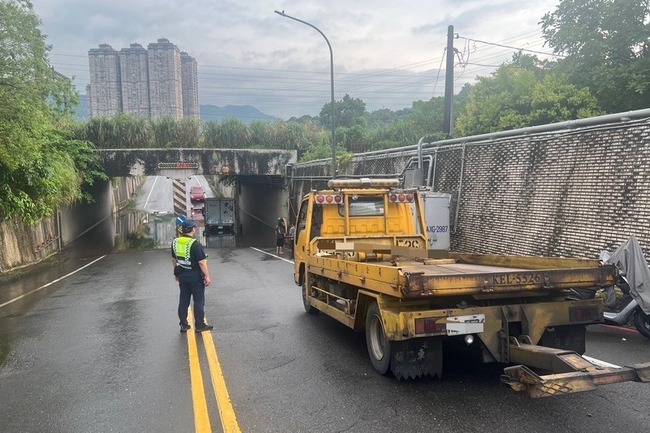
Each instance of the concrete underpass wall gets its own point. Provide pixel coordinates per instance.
(260, 207)
(221, 190)
(23, 245)
(569, 192)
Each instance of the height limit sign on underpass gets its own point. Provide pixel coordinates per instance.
(178, 169)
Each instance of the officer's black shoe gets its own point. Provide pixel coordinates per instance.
(203, 327)
(185, 327)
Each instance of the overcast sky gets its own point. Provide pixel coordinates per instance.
(388, 53)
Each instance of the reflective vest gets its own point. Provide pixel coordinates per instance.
(181, 247)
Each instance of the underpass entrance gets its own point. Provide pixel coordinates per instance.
(253, 204)
(261, 201)
(239, 210)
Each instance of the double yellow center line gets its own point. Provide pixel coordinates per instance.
(201, 414)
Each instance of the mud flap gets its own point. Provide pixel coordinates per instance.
(416, 358)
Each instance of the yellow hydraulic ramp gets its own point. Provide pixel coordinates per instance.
(570, 371)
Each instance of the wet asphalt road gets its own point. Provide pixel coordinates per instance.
(100, 351)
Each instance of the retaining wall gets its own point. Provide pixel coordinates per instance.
(23, 245)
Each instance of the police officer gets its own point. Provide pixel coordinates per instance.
(192, 273)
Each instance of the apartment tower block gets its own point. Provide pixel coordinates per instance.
(105, 96)
(135, 81)
(156, 82)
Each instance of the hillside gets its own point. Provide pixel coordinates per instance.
(245, 113)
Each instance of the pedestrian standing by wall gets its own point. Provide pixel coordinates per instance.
(280, 233)
(193, 276)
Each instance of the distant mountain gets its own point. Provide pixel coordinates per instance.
(245, 113)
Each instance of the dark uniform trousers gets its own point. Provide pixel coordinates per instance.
(192, 286)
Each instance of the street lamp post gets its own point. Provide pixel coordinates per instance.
(332, 125)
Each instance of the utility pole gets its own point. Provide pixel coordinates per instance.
(449, 81)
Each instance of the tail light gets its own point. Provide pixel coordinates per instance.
(429, 326)
(584, 314)
(401, 197)
(329, 199)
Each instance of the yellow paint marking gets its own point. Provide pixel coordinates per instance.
(201, 416)
(226, 410)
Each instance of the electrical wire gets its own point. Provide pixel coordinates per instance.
(235, 85)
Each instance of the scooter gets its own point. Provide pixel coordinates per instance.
(626, 309)
(620, 312)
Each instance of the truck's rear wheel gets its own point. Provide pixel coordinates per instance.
(308, 307)
(379, 347)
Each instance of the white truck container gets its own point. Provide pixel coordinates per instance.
(220, 222)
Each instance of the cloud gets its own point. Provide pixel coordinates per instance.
(387, 53)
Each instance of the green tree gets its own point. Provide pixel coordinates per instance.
(166, 133)
(260, 134)
(380, 118)
(40, 163)
(427, 117)
(555, 100)
(353, 138)
(349, 112)
(189, 133)
(230, 133)
(119, 132)
(294, 135)
(606, 44)
(519, 95)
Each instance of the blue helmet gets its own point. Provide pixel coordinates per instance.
(188, 225)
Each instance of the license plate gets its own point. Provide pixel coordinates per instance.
(461, 325)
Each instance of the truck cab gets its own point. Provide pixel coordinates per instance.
(374, 211)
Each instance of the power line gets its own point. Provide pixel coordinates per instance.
(295, 88)
(511, 47)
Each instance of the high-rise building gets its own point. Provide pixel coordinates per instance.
(190, 86)
(135, 80)
(105, 84)
(165, 88)
(156, 82)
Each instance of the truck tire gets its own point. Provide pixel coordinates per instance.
(642, 322)
(379, 347)
(308, 307)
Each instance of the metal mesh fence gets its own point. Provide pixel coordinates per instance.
(568, 192)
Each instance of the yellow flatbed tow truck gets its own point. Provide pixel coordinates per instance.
(362, 256)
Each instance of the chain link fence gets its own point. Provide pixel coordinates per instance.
(566, 190)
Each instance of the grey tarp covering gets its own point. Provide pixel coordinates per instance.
(629, 259)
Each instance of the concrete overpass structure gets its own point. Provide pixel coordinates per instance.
(254, 178)
(207, 162)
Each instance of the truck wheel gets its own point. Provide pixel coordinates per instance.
(308, 307)
(379, 347)
(642, 322)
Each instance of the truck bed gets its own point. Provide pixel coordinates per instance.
(455, 268)
(462, 274)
